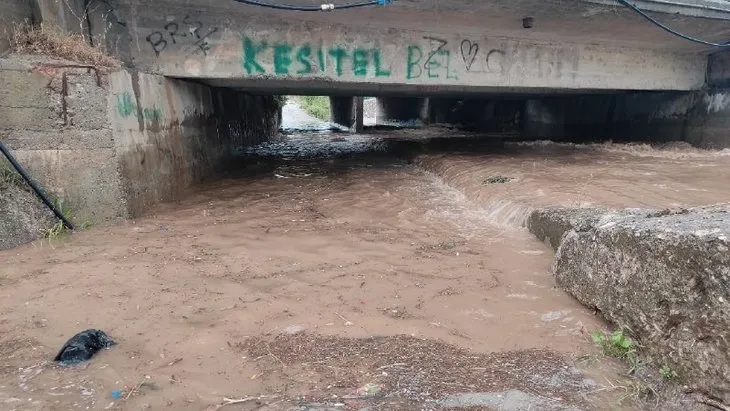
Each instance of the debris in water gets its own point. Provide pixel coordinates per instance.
(348, 323)
(369, 390)
(498, 180)
(82, 346)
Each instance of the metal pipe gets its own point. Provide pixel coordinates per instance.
(39, 192)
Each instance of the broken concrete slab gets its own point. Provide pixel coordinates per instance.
(664, 275)
(550, 224)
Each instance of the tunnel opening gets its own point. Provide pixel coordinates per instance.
(234, 130)
(404, 125)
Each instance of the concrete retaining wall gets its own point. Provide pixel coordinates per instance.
(111, 145)
(53, 115)
(700, 118)
(161, 128)
(171, 134)
(661, 274)
(708, 124)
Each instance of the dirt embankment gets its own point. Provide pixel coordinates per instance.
(23, 218)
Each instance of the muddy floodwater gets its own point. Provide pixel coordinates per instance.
(327, 263)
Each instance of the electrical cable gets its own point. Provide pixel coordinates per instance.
(323, 7)
(35, 188)
(669, 29)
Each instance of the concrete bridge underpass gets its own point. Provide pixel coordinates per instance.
(565, 61)
(201, 77)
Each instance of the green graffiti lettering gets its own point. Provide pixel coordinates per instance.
(360, 62)
(339, 54)
(449, 74)
(282, 58)
(379, 71)
(125, 105)
(303, 58)
(152, 114)
(414, 62)
(432, 67)
(249, 56)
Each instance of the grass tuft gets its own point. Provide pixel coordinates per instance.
(52, 41)
(55, 232)
(619, 345)
(8, 175)
(59, 230)
(317, 106)
(667, 373)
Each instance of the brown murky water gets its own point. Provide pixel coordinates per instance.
(200, 293)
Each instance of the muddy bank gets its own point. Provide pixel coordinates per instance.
(662, 275)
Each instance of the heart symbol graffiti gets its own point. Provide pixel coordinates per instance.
(469, 52)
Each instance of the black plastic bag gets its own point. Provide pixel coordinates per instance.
(82, 346)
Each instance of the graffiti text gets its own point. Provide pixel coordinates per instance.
(309, 58)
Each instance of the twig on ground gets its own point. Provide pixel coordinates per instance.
(232, 401)
(347, 322)
(229, 401)
(133, 391)
(398, 364)
(704, 398)
(713, 403)
(272, 354)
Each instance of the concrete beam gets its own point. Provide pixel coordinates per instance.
(254, 52)
(711, 9)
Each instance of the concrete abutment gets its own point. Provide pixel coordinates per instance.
(699, 118)
(111, 145)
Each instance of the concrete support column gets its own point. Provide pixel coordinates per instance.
(399, 109)
(347, 112)
(544, 119)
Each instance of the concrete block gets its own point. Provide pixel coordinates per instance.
(87, 180)
(67, 139)
(29, 118)
(23, 89)
(86, 101)
(664, 276)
